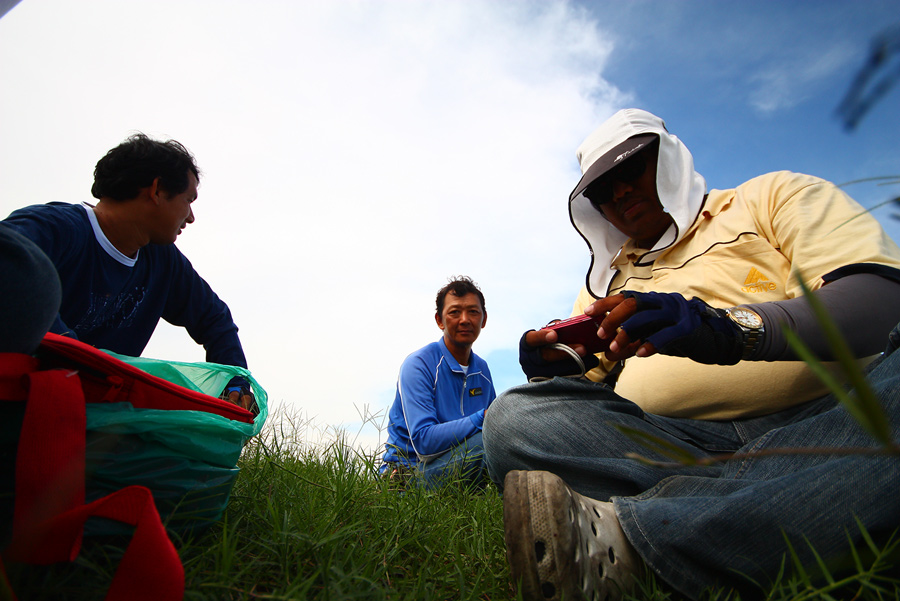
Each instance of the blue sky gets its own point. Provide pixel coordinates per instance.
(358, 153)
(753, 86)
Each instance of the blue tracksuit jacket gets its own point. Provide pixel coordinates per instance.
(437, 405)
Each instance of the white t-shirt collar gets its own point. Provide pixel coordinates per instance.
(104, 242)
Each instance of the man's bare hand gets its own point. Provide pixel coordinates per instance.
(618, 309)
(241, 400)
(238, 392)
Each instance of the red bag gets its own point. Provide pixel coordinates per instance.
(49, 500)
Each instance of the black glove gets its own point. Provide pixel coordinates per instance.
(535, 366)
(684, 328)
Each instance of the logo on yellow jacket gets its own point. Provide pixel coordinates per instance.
(757, 282)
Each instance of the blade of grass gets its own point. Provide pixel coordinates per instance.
(863, 405)
(655, 443)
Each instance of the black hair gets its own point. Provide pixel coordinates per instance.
(136, 162)
(460, 285)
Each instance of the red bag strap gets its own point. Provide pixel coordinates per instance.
(14, 367)
(6, 591)
(49, 505)
(150, 569)
(50, 459)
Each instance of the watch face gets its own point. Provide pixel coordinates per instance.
(745, 317)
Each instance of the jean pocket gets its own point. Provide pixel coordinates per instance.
(893, 340)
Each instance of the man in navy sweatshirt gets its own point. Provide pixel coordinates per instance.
(117, 262)
(443, 392)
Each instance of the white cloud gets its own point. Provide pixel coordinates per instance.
(786, 84)
(355, 155)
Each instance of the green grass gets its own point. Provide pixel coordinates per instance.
(319, 525)
(307, 522)
(313, 522)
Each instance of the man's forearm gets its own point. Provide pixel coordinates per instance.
(226, 349)
(864, 306)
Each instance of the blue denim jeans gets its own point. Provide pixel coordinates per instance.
(726, 525)
(464, 462)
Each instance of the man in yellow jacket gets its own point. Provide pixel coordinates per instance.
(691, 291)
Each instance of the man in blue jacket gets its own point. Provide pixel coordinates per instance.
(443, 392)
(117, 262)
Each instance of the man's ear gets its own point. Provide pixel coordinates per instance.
(155, 192)
(438, 320)
(484, 320)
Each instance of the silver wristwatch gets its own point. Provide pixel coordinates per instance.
(752, 328)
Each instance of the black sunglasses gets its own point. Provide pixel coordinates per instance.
(600, 191)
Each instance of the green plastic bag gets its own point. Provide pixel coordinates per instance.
(188, 459)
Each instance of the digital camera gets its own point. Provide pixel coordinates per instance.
(581, 329)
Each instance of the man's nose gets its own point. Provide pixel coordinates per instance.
(190, 217)
(620, 189)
